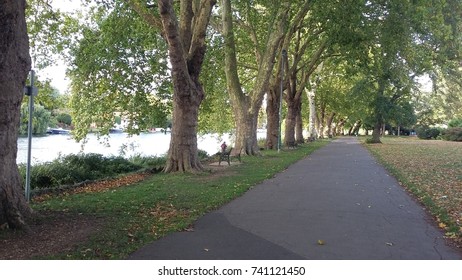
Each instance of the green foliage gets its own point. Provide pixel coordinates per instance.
(40, 120)
(148, 162)
(120, 65)
(202, 154)
(216, 112)
(425, 132)
(455, 123)
(370, 141)
(72, 169)
(64, 118)
(452, 134)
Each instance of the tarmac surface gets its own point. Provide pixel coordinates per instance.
(338, 196)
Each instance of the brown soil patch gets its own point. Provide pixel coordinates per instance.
(55, 233)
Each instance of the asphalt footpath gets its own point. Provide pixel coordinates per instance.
(336, 204)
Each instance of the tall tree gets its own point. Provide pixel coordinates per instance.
(14, 65)
(410, 39)
(247, 104)
(186, 39)
(115, 75)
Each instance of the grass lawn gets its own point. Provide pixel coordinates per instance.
(432, 171)
(131, 216)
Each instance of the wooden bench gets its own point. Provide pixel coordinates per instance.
(226, 156)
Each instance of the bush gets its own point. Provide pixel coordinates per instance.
(202, 154)
(64, 118)
(452, 134)
(428, 132)
(149, 162)
(73, 169)
(455, 123)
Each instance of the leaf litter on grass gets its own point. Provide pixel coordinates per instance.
(434, 169)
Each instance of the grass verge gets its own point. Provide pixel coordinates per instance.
(143, 212)
(432, 171)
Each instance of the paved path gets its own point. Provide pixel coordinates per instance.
(339, 194)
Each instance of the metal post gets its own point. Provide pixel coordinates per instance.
(30, 93)
(283, 55)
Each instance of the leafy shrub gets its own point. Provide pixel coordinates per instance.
(73, 169)
(455, 123)
(64, 118)
(149, 162)
(428, 132)
(370, 141)
(452, 134)
(203, 154)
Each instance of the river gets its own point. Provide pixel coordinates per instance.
(48, 148)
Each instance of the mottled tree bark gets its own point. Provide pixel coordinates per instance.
(186, 44)
(330, 119)
(272, 115)
(289, 136)
(299, 124)
(340, 126)
(14, 66)
(312, 133)
(247, 106)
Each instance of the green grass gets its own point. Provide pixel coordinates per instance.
(141, 213)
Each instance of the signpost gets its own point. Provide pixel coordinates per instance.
(30, 91)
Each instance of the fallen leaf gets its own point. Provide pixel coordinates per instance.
(205, 249)
(389, 243)
(321, 242)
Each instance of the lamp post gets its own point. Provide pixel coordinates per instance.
(30, 91)
(283, 56)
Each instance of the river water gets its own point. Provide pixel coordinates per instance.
(50, 147)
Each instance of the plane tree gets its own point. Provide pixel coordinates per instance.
(15, 64)
(408, 39)
(254, 34)
(137, 46)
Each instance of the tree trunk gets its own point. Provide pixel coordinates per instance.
(183, 152)
(378, 112)
(186, 46)
(322, 117)
(329, 125)
(312, 125)
(340, 127)
(14, 66)
(299, 125)
(356, 128)
(272, 114)
(247, 106)
(289, 135)
(376, 133)
(350, 131)
(246, 133)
